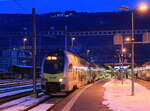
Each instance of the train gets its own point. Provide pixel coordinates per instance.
(143, 72)
(63, 71)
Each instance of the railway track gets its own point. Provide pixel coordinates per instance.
(17, 87)
(9, 92)
(44, 105)
(28, 103)
(13, 97)
(11, 83)
(8, 96)
(19, 98)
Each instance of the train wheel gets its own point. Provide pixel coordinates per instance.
(74, 87)
(89, 81)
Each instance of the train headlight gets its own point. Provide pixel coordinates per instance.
(60, 80)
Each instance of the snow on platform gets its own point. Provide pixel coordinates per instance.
(118, 97)
(42, 107)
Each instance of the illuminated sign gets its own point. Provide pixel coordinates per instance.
(118, 67)
(51, 58)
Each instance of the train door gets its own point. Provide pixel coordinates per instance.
(70, 76)
(79, 78)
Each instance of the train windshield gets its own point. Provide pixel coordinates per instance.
(53, 67)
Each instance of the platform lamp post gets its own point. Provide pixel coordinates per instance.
(141, 7)
(123, 50)
(88, 51)
(24, 42)
(65, 33)
(35, 93)
(73, 39)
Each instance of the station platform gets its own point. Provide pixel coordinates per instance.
(88, 98)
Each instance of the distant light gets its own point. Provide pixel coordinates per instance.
(123, 50)
(124, 8)
(88, 50)
(73, 38)
(143, 6)
(118, 67)
(25, 39)
(127, 39)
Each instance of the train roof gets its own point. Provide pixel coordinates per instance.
(146, 63)
(61, 51)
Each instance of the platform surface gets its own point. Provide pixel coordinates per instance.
(88, 98)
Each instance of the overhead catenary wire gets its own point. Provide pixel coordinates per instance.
(18, 4)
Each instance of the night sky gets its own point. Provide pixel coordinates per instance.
(45, 6)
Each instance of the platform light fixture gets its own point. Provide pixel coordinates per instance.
(73, 39)
(141, 7)
(24, 42)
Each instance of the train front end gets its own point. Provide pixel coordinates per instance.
(52, 72)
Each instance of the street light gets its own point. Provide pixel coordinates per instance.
(124, 50)
(73, 38)
(141, 7)
(127, 39)
(24, 43)
(87, 53)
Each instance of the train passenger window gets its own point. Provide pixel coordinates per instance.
(70, 68)
(74, 74)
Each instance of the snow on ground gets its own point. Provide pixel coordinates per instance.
(118, 97)
(16, 92)
(42, 107)
(21, 104)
